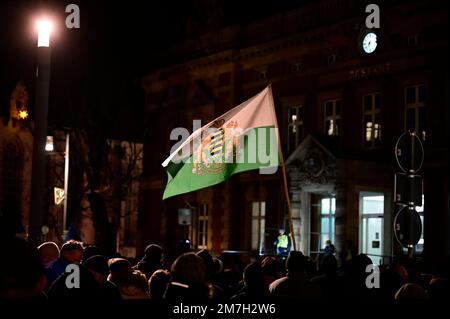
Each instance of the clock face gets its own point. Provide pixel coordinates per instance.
(369, 43)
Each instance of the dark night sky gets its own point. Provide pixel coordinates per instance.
(95, 67)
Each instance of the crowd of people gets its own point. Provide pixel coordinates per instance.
(29, 272)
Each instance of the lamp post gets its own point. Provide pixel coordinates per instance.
(37, 209)
(66, 182)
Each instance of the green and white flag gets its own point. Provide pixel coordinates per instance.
(245, 138)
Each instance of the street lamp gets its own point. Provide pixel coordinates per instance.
(44, 27)
(37, 203)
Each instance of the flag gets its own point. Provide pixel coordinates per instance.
(245, 138)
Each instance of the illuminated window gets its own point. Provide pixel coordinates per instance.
(415, 110)
(332, 117)
(258, 225)
(327, 213)
(372, 120)
(371, 225)
(295, 127)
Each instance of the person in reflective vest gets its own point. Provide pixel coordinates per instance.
(283, 244)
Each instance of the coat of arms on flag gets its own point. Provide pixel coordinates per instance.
(245, 138)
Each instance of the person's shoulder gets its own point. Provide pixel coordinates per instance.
(277, 282)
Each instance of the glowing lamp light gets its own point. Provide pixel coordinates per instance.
(44, 28)
(23, 114)
(49, 144)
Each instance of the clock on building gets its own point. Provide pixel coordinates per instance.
(369, 42)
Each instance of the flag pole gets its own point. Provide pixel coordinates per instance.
(288, 200)
(283, 168)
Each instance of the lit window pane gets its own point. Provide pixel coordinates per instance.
(325, 206)
(330, 125)
(368, 131)
(292, 112)
(255, 234)
(373, 205)
(255, 209)
(333, 205)
(376, 131)
(378, 137)
(323, 239)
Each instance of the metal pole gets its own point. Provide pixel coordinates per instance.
(411, 200)
(66, 183)
(38, 177)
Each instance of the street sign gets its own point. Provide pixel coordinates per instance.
(407, 227)
(58, 195)
(409, 152)
(408, 189)
(184, 216)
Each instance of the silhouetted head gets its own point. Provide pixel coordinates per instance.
(410, 291)
(119, 265)
(153, 253)
(98, 264)
(22, 275)
(72, 251)
(296, 262)
(189, 269)
(329, 264)
(157, 283)
(48, 253)
(253, 275)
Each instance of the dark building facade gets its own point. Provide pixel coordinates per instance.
(340, 112)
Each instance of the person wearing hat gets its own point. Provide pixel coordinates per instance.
(152, 260)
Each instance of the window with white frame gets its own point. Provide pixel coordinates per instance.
(327, 217)
(372, 119)
(296, 221)
(295, 127)
(258, 226)
(415, 109)
(332, 117)
(202, 227)
(372, 225)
